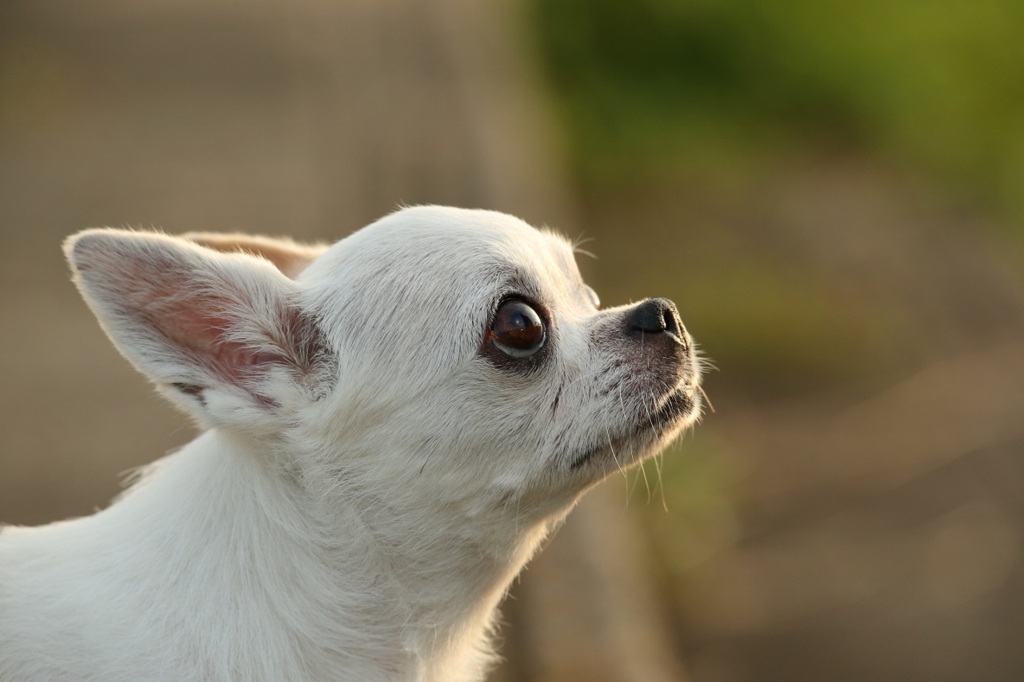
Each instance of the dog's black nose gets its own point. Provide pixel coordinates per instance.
(654, 316)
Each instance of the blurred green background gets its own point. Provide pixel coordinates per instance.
(666, 86)
(832, 193)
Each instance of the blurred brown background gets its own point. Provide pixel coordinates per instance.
(833, 194)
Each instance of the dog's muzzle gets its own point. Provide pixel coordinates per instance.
(658, 343)
(665, 380)
(668, 355)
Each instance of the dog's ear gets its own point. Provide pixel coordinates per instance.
(220, 333)
(289, 256)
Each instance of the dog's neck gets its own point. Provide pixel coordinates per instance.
(272, 565)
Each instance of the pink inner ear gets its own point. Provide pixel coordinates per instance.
(196, 327)
(202, 325)
(206, 337)
(230, 323)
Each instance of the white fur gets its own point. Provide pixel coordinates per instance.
(369, 482)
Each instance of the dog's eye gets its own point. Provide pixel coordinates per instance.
(517, 330)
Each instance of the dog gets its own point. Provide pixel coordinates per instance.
(391, 427)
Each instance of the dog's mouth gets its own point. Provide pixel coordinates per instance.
(672, 413)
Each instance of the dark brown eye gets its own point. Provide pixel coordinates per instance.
(517, 330)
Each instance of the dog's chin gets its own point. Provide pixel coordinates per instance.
(651, 432)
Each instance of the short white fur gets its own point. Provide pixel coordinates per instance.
(368, 482)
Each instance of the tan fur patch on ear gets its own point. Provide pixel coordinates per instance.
(290, 257)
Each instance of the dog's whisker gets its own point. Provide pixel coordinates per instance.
(658, 464)
(647, 483)
(706, 399)
(622, 405)
(633, 484)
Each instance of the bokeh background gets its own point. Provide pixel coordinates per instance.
(832, 192)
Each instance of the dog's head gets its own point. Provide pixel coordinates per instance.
(439, 357)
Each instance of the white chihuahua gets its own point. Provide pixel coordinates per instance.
(392, 426)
